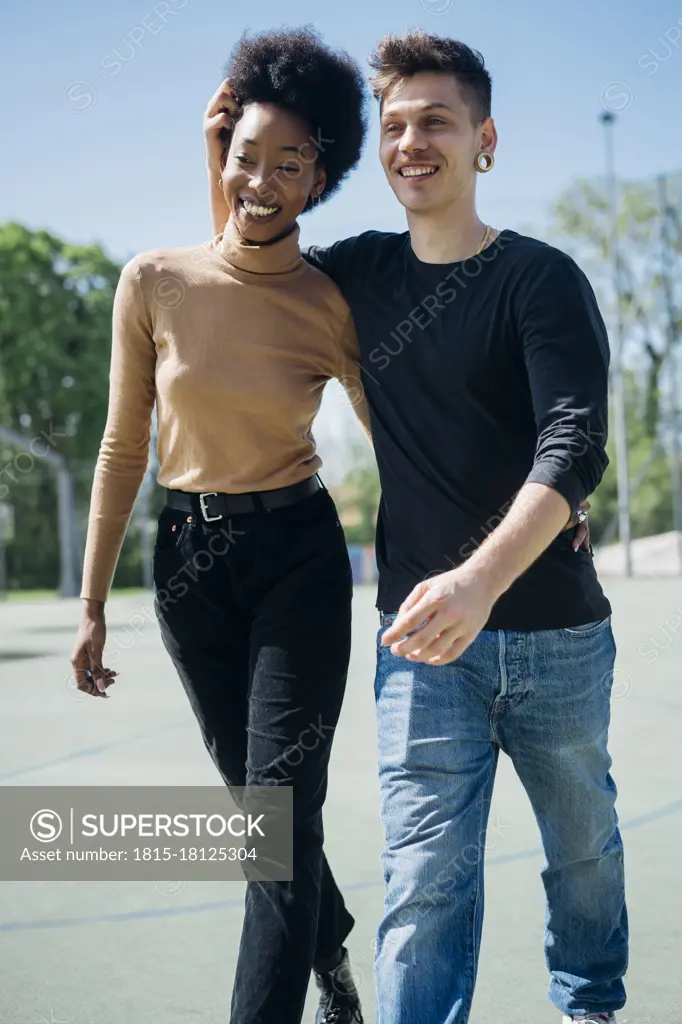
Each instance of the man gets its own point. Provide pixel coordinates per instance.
(485, 364)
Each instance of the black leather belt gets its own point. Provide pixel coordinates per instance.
(211, 506)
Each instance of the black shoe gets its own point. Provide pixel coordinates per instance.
(339, 999)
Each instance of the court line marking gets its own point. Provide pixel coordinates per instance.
(179, 723)
(198, 908)
(158, 912)
(93, 751)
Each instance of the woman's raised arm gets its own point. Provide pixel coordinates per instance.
(218, 121)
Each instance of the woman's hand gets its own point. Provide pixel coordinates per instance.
(88, 652)
(218, 121)
(582, 534)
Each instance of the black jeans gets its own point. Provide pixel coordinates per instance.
(255, 613)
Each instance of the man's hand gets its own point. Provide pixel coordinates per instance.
(218, 122)
(457, 605)
(446, 613)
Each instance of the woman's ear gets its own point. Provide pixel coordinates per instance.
(226, 139)
(319, 182)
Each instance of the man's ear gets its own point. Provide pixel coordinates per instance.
(488, 135)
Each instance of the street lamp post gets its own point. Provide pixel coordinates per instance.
(673, 372)
(617, 380)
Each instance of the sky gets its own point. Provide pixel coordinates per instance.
(100, 121)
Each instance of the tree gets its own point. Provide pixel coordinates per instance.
(358, 497)
(651, 502)
(650, 244)
(55, 330)
(580, 222)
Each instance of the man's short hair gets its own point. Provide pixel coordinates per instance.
(400, 57)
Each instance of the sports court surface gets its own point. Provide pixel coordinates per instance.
(130, 953)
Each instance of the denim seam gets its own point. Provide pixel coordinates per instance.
(495, 709)
(503, 664)
(474, 955)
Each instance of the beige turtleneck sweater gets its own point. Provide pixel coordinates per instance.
(235, 344)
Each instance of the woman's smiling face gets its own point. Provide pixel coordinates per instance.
(271, 170)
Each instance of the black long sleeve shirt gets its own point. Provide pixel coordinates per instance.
(481, 376)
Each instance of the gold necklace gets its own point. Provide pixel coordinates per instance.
(483, 244)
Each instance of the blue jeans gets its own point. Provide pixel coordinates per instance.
(544, 699)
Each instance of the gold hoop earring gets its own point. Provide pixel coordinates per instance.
(485, 162)
(220, 181)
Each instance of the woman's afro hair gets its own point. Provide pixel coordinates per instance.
(295, 70)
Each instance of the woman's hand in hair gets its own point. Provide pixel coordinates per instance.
(218, 123)
(582, 537)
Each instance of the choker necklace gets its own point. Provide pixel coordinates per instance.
(483, 244)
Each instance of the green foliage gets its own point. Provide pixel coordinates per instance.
(55, 343)
(650, 279)
(649, 261)
(651, 501)
(358, 497)
(55, 324)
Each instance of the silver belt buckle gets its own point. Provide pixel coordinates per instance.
(204, 510)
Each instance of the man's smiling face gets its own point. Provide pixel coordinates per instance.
(429, 142)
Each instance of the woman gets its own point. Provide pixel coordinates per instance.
(234, 340)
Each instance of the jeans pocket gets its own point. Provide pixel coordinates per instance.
(171, 531)
(588, 628)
